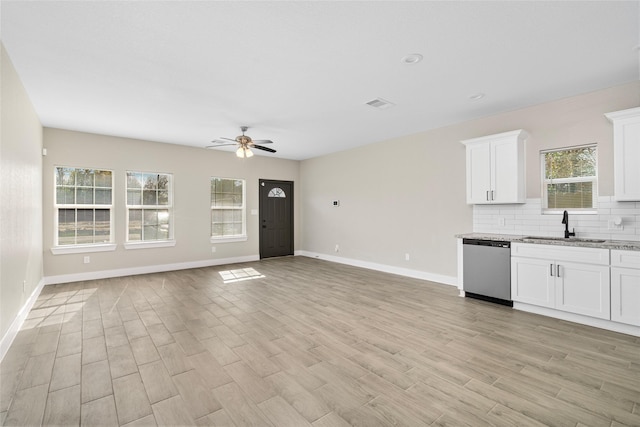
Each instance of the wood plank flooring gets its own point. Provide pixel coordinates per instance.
(297, 341)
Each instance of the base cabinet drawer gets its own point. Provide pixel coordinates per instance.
(625, 295)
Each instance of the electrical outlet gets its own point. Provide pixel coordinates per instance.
(213, 249)
(337, 248)
(407, 257)
(615, 224)
(501, 222)
(87, 260)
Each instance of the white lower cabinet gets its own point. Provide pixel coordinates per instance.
(567, 278)
(583, 289)
(625, 287)
(531, 282)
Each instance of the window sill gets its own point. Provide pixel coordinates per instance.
(79, 249)
(228, 239)
(570, 212)
(151, 244)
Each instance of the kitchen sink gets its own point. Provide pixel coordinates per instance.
(562, 239)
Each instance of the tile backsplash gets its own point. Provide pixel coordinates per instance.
(527, 219)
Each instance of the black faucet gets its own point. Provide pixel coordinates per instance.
(565, 221)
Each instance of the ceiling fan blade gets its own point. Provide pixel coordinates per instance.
(224, 140)
(260, 147)
(220, 144)
(263, 141)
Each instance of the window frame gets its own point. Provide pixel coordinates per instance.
(145, 244)
(109, 245)
(581, 179)
(231, 238)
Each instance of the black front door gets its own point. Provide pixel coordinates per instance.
(276, 218)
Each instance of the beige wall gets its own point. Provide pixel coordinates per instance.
(407, 195)
(402, 196)
(191, 169)
(20, 196)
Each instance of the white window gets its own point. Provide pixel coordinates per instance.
(570, 180)
(83, 207)
(149, 207)
(228, 216)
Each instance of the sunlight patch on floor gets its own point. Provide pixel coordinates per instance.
(54, 308)
(239, 275)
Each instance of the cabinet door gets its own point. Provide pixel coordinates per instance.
(478, 173)
(583, 289)
(505, 180)
(625, 295)
(531, 281)
(626, 151)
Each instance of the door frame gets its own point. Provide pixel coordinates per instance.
(261, 212)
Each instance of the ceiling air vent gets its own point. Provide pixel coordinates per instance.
(380, 103)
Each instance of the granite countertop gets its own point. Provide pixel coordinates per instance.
(628, 245)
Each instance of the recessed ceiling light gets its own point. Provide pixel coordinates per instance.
(476, 97)
(412, 58)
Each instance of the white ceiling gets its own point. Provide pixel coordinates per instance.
(300, 72)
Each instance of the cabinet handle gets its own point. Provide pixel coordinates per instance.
(551, 269)
(558, 270)
(487, 195)
(492, 198)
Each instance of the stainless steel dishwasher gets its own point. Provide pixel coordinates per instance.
(487, 270)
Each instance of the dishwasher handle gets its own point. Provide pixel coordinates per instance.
(483, 242)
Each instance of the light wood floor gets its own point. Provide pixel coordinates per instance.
(310, 343)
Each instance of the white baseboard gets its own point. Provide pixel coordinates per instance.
(415, 274)
(121, 272)
(578, 318)
(13, 330)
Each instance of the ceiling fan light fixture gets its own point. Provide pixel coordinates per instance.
(244, 144)
(244, 152)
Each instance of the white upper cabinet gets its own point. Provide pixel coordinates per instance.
(626, 152)
(496, 168)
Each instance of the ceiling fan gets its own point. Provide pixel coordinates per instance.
(244, 142)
